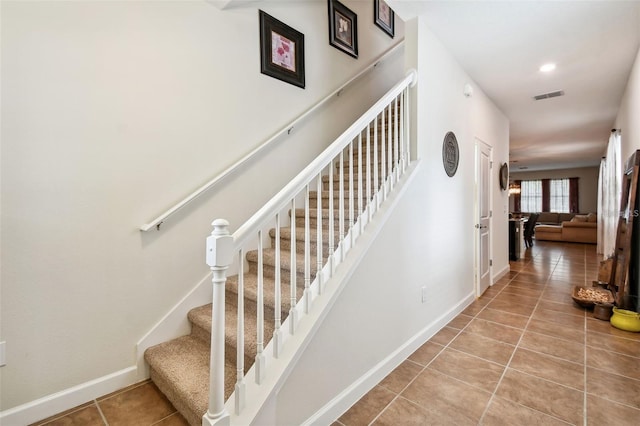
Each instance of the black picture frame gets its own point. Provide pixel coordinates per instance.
(343, 28)
(283, 60)
(384, 17)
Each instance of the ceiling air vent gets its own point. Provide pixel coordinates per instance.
(549, 95)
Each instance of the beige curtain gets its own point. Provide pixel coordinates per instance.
(611, 187)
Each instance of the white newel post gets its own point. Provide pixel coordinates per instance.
(219, 256)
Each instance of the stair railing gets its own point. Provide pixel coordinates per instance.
(364, 163)
(158, 221)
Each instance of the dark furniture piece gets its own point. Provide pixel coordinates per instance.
(515, 238)
(529, 229)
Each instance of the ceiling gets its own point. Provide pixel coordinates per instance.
(502, 44)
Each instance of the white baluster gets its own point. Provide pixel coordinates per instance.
(396, 150)
(389, 148)
(332, 246)
(240, 384)
(307, 253)
(341, 207)
(383, 152)
(403, 152)
(293, 316)
(219, 256)
(320, 238)
(369, 203)
(376, 178)
(360, 190)
(277, 332)
(351, 198)
(260, 359)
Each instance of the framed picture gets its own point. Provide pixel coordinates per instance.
(343, 28)
(384, 17)
(281, 51)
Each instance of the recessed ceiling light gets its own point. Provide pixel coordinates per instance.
(548, 67)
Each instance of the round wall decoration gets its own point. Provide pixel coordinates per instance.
(450, 154)
(504, 176)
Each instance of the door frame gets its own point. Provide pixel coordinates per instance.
(476, 219)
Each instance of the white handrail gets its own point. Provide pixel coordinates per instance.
(157, 222)
(279, 201)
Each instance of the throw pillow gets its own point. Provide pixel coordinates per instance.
(579, 218)
(592, 217)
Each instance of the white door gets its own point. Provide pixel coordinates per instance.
(483, 220)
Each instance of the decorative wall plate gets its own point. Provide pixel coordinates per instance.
(450, 154)
(504, 176)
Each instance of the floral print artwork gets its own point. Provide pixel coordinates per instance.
(283, 52)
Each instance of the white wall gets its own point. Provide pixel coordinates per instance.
(627, 119)
(587, 184)
(428, 241)
(112, 112)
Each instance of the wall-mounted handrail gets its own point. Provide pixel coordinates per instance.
(157, 222)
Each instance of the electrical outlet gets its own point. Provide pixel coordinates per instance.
(3, 353)
(424, 294)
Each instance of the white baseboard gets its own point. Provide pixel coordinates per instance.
(343, 401)
(504, 271)
(64, 400)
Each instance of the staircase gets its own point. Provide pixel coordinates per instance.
(346, 192)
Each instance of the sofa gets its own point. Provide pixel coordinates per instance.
(567, 227)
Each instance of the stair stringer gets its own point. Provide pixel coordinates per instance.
(260, 409)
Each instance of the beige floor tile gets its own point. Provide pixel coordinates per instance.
(447, 396)
(88, 415)
(613, 387)
(613, 362)
(368, 407)
(550, 398)
(173, 420)
(603, 412)
(494, 331)
(503, 412)
(548, 367)
(516, 299)
(444, 336)
(472, 370)
(565, 320)
(614, 344)
(552, 329)
(406, 413)
(605, 327)
(141, 405)
(483, 347)
(572, 309)
(510, 307)
(401, 376)
(460, 321)
(425, 353)
(564, 349)
(506, 318)
(520, 291)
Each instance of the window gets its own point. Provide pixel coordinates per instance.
(531, 196)
(547, 195)
(559, 195)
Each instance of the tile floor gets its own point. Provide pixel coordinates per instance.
(523, 354)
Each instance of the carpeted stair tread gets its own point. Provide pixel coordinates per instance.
(269, 259)
(251, 292)
(201, 318)
(180, 369)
